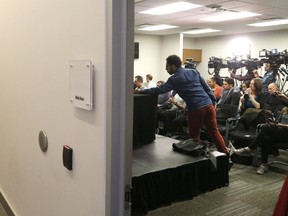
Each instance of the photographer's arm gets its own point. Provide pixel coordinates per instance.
(239, 77)
(281, 125)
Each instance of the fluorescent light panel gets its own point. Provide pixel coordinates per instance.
(270, 23)
(227, 15)
(171, 8)
(156, 27)
(201, 31)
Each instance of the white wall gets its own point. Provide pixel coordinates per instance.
(38, 39)
(153, 50)
(170, 45)
(149, 55)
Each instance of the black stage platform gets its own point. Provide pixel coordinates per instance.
(161, 176)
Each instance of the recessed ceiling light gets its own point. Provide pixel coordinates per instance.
(200, 31)
(171, 8)
(228, 15)
(151, 27)
(270, 23)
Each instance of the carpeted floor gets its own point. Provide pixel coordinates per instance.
(248, 194)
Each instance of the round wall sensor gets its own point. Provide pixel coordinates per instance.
(43, 141)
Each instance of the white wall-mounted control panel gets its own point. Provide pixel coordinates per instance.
(81, 83)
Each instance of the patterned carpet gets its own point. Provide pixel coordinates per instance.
(248, 194)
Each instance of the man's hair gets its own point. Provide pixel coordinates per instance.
(161, 81)
(275, 85)
(149, 76)
(212, 79)
(174, 60)
(230, 81)
(139, 78)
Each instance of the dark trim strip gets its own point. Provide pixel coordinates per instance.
(6, 206)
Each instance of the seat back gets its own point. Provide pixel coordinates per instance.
(226, 111)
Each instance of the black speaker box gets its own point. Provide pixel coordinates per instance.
(144, 124)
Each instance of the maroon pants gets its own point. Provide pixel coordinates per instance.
(205, 116)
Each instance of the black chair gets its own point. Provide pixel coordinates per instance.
(283, 147)
(240, 132)
(225, 112)
(243, 130)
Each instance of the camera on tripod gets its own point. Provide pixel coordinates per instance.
(253, 63)
(189, 63)
(215, 62)
(249, 63)
(273, 57)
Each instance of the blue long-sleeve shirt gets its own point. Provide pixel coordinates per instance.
(268, 78)
(190, 85)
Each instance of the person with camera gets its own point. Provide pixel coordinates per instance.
(247, 77)
(198, 96)
(272, 132)
(269, 77)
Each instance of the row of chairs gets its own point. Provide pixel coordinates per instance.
(240, 131)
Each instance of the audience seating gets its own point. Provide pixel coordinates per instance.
(225, 112)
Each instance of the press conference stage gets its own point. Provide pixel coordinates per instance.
(161, 176)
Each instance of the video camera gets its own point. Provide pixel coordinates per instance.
(235, 64)
(273, 57)
(189, 63)
(250, 63)
(253, 63)
(217, 63)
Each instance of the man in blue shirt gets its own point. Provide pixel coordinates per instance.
(199, 98)
(269, 77)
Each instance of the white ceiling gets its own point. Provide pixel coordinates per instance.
(270, 9)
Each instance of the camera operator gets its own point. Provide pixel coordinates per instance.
(269, 77)
(251, 73)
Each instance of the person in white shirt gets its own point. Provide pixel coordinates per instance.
(150, 83)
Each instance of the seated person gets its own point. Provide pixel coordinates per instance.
(168, 115)
(138, 82)
(150, 83)
(228, 105)
(254, 98)
(270, 133)
(230, 95)
(162, 101)
(244, 86)
(217, 90)
(179, 123)
(272, 102)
